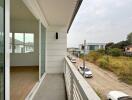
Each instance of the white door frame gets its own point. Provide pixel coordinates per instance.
(40, 32)
(39, 50)
(7, 50)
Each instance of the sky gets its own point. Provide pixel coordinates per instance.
(101, 21)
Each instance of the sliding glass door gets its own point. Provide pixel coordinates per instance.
(43, 46)
(1, 49)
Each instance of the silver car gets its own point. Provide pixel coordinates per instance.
(85, 72)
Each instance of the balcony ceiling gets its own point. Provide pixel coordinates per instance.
(58, 12)
(19, 11)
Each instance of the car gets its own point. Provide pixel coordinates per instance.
(118, 95)
(73, 60)
(86, 72)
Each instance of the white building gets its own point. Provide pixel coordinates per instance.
(92, 46)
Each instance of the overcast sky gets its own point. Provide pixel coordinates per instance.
(101, 21)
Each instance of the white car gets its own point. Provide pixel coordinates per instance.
(85, 72)
(118, 95)
(73, 60)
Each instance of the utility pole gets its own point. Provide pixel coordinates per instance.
(84, 54)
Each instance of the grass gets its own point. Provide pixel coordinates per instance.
(121, 66)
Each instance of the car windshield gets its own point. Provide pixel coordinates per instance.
(125, 98)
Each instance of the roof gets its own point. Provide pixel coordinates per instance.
(117, 94)
(129, 46)
(75, 12)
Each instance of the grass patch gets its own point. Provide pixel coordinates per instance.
(121, 66)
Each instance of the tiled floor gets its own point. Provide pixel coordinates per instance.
(52, 88)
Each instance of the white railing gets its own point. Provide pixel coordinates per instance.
(76, 86)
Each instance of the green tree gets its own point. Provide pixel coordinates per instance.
(115, 52)
(129, 37)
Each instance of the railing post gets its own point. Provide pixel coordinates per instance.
(71, 91)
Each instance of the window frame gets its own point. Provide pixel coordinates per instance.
(13, 44)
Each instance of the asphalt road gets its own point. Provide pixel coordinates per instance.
(104, 81)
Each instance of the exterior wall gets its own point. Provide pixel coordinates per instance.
(130, 49)
(26, 59)
(56, 51)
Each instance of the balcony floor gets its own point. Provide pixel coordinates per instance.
(52, 88)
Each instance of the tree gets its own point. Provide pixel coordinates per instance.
(129, 38)
(115, 52)
(109, 45)
(121, 45)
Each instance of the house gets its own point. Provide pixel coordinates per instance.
(128, 48)
(92, 47)
(44, 73)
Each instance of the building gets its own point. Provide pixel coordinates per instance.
(128, 48)
(41, 27)
(92, 46)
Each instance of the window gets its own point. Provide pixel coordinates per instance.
(91, 47)
(21, 42)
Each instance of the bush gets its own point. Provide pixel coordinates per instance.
(115, 52)
(102, 62)
(93, 56)
(101, 51)
(126, 73)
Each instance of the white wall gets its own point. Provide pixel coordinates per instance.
(27, 59)
(56, 51)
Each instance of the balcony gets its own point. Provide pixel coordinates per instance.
(68, 86)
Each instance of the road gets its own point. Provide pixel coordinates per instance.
(104, 81)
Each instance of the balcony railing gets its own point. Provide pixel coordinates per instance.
(76, 86)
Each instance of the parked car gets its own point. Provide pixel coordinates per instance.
(85, 72)
(118, 95)
(73, 60)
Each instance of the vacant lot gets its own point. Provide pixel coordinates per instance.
(104, 81)
(121, 66)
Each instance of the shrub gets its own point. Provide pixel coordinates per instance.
(115, 52)
(102, 62)
(93, 56)
(116, 65)
(126, 73)
(101, 51)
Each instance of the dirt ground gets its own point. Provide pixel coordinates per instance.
(104, 81)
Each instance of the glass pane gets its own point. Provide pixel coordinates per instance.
(29, 42)
(91, 47)
(29, 48)
(1, 49)
(29, 38)
(43, 38)
(19, 48)
(19, 38)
